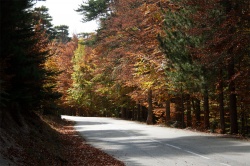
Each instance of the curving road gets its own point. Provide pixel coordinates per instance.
(142, 145)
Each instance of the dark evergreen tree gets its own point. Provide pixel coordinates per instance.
(23, 53)
(184, 75)
(61, 33)
(94, 9)
(42, 18)
(225, 47)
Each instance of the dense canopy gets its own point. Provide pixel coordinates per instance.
(184, 63)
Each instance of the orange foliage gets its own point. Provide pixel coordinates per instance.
(63, 62)
(128, 39)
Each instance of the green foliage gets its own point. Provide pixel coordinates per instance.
(93, 9)
(23, 65)
(61, 33)
(42, 19)
(90, 39)
(81, 92)
(198, 39)
(183, 71)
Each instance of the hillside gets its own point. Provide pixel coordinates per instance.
(46, 140)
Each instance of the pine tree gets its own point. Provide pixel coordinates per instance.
(23, 51)
(224, 29)
(184, 76)
(61, 33)
(42, 19)
(94, 9)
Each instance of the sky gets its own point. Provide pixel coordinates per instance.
(62, 12)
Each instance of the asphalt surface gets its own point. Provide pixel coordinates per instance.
(138, 144)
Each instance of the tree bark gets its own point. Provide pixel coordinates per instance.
(232, 99)
(243, 126)
(206, 108)
(182, 112)
(144, 113)
(127, 113)
(197, 108)
(168, 118)
(189, 117)
(179, 112)
(138, 112)
(123, 113)
(150, 108)
(221, 103)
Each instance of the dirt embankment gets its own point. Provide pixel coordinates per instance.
(46, 140)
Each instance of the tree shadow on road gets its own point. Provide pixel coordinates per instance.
(130, 144)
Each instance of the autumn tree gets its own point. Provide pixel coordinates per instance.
(188, 70)
(121, 33)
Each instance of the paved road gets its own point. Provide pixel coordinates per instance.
(141, 145)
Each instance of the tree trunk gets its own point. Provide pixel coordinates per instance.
(144, 113)
(232, 99)
(221, 103)
(127, 113)
(138, 116)
(168, 118)
(189, 117)
(123, 113)
(197, 108)
(150, 108)
(179, 112)
(243, 121)
(206, 108)
(136, 112)
(133, 113)
(182, 112)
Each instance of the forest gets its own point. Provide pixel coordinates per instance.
(181, 63)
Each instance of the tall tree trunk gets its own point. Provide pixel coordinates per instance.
(150, 107)
(139, 107)
(144, 113)
(206, 108)
(182, 111)
(197, 108)
(179, 112)
(168, 118)
(123, 113)
(189, 117)
(243, 121)
(221, 103)
(138, 116)
(127, 113)
(133, 113)
(232, 99)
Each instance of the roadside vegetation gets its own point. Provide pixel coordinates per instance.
(181, 63)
